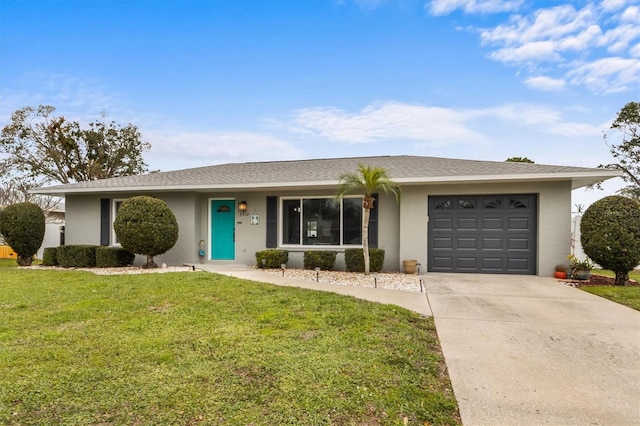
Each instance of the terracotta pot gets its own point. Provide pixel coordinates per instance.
(410, 266)
(560, 274)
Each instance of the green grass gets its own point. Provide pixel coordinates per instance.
(200, 348)
(628, 296)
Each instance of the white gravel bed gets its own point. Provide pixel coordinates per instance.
(388, 280)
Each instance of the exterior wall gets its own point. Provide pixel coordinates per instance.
(83, 223)
(402, 229)
(82, 220)
(252, 238)
(554, 214)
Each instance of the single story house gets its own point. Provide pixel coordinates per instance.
(454, 215)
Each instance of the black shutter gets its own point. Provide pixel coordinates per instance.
(272, 222)
(105, 221)
(373, 223)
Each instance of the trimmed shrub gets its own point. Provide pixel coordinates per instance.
(77, 256)
(272, 258)
(113, 257)
(610, 234)
(147, 226)
(354, 259)
(50, 256)
(22, 227)
(323, 259)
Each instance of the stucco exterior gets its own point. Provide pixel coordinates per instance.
(402, 227)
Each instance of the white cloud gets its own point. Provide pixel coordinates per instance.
(388, 121)
(537, 51)
(546, 25)
(617, 39)
(607, 75)
(545, 84)
(176, 149)
(538, 118)
(612, 5)
(444, 7)
(76, 98)
(570, 43)
(631, 15)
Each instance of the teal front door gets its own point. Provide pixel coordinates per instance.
(223, 229)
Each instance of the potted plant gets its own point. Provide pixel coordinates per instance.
(580, 269)
(560, 271)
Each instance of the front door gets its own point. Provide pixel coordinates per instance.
(223, 232)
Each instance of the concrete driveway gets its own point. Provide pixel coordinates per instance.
(524, 350)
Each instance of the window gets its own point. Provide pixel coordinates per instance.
(321, 221)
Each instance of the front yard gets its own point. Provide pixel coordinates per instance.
(628, 296)
(200, 348)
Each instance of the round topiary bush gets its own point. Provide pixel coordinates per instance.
(22, 227)
(147, 226)
(610, 231)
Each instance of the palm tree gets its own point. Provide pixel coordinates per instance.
(366, 181)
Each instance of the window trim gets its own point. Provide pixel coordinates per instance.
(301, 198)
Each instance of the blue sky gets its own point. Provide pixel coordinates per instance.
(211, 82)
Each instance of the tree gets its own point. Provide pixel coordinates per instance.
(610, 231)
(42, 147)
(518, 160)
(147, 226)
(627, 152)
(22, 227)
(366, 181)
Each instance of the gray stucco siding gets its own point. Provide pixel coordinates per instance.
(402, 228)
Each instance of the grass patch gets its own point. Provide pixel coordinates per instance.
(200, 348)
(628, 296)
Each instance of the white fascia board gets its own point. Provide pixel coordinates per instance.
(578, 179)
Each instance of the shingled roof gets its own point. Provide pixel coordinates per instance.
(318, 173)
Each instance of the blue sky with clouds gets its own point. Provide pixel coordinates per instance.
(211, 82)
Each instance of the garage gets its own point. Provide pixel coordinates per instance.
(489, 234)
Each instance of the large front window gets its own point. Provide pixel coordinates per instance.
(321, 221)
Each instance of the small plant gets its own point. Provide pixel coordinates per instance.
(579, 265)
(354, 260)
(322, 259)
(561, 267)
(50, 256)
(271, 258)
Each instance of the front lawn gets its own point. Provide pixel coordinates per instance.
(200, 348)
(627, 295)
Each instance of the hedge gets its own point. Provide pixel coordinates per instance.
(77, 256)
(113, 257)
(319, 258)
(354, 260)
(272, 258)
(50, 256)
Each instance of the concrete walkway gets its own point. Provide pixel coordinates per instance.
(520, 350)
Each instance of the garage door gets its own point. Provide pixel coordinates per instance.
(491, 234)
